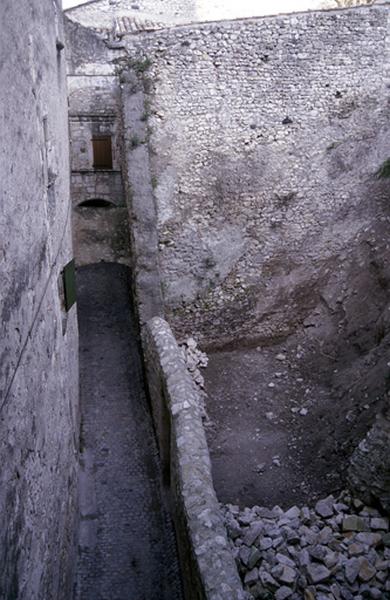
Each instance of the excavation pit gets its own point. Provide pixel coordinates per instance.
(286, 418)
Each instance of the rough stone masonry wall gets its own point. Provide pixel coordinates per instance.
(115, 16)
(265, 139)
(101, 233)
(38, 356)
(209, 571)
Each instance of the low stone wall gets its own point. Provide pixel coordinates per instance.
(140, 198)
(208, 568)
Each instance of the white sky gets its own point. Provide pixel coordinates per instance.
(268, 6)
(69, 3)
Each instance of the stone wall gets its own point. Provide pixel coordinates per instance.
(208, 568)
(116, 17)
(38, 363)
(266, 137)
(141, 203)
(100, 220)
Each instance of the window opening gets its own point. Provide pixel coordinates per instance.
(102, 152)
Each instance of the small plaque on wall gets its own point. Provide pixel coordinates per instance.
(69, 278)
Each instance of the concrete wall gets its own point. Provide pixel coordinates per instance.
(265, 138)
(38, 357)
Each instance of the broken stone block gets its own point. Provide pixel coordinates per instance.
(379, 524)
(292, 513)
(254, 558)
(267, 580)
(252, 533)
(352, 567)
(283, 593)
(266, 543)
(317, 573)
(370, 539)
(354, 523)
(251, 577)
(366, 571)
(284, 560)
(288, 575)
(324, 508)
(355, 549)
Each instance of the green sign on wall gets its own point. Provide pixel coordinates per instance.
(69, 277)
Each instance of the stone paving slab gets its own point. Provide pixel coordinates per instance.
(127, 548)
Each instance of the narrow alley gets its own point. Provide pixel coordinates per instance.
(127, 547)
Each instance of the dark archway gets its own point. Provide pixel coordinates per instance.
(96, 203)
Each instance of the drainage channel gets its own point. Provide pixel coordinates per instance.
(127, 548)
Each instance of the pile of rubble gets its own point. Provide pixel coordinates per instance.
(338, 550)
(195, 360)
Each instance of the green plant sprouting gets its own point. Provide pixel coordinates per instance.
(384, 170)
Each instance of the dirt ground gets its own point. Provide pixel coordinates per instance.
(285, 418)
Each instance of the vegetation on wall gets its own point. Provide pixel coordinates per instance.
(384, 170)
(346, 3)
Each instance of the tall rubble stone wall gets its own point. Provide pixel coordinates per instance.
(117, 16)
(38, 364)
(101, 232)
(266, 137)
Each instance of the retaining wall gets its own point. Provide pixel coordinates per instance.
(265, 139)
(209, 570)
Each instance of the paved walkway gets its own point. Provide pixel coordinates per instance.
(126, 540)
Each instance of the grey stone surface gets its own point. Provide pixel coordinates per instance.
(100, 233)
(208, 565)
(312, 568)
(325, 507)
(258, 217)
(118, 17)
(126, 543)
(369, 473)
(248, 221)
(38, 348)
(142, 208)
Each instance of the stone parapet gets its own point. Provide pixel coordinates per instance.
(209, 570)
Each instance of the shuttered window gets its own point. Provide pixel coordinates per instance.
(102, 153)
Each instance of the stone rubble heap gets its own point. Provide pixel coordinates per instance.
(195, 360)
(338, 550)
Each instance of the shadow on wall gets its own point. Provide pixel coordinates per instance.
(96, 203)
(101, 232)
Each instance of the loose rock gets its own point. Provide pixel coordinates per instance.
(340, 550)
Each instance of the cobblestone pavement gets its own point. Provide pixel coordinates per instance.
(127, 546)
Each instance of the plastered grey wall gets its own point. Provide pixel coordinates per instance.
(38, 355)
(265, 138)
